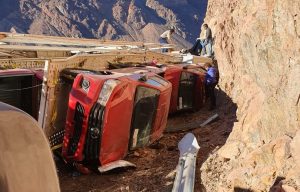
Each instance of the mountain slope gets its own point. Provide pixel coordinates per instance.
(138, 20)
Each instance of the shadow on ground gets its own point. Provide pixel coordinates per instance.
(212, 136)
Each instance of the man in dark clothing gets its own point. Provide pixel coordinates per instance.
(203, 43)
(211, 80)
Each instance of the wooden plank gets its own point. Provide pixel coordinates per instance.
(52, 54)
(19, 54)
(83, 48)
(79, 60)
(5, 54)
(44, 39)
(215, 116)
(191, 125)
(48, 48)
(22, 63)
(70, 41)
(200, 59)
(54, 43)
(163, 58)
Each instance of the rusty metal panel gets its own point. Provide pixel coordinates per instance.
(21, 63)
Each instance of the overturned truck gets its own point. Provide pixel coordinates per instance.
(187, 83)
(98, 129)
(110, 113)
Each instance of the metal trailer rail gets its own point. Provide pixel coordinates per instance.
(185, 171)
(18, 41)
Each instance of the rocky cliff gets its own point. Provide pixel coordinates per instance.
(138, 20)
(257, 45)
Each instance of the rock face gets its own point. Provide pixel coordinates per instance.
(139, 20)
(257, 45)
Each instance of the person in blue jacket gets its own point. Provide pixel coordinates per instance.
(211, 80)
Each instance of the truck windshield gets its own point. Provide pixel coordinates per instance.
(156, 81)
(145, 105)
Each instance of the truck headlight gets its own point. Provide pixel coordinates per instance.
(106, 91)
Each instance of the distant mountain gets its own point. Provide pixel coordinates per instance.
(135, 20)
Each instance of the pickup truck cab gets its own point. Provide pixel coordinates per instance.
(188, 87)
(111, 113)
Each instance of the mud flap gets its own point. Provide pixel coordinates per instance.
(114, 165)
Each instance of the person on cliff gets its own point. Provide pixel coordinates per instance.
(203, 44)
(165, 38)
(211, 80)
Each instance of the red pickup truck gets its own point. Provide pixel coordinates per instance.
(188, 88)
(110, 113)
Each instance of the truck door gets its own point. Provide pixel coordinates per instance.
(186, 93)
(145, 105)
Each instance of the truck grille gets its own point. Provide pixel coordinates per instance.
(78, 119)
(94, 132)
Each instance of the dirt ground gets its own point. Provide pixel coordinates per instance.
(156, 164)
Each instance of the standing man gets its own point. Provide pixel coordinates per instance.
(165, 38)
(203, 44)
(211, 80)
(207, 42)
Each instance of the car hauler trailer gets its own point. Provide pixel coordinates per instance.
(110, 113)
(36, 51)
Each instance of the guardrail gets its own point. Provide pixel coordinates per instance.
(185, 171)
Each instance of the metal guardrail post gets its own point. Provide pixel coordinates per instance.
(185, 171)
